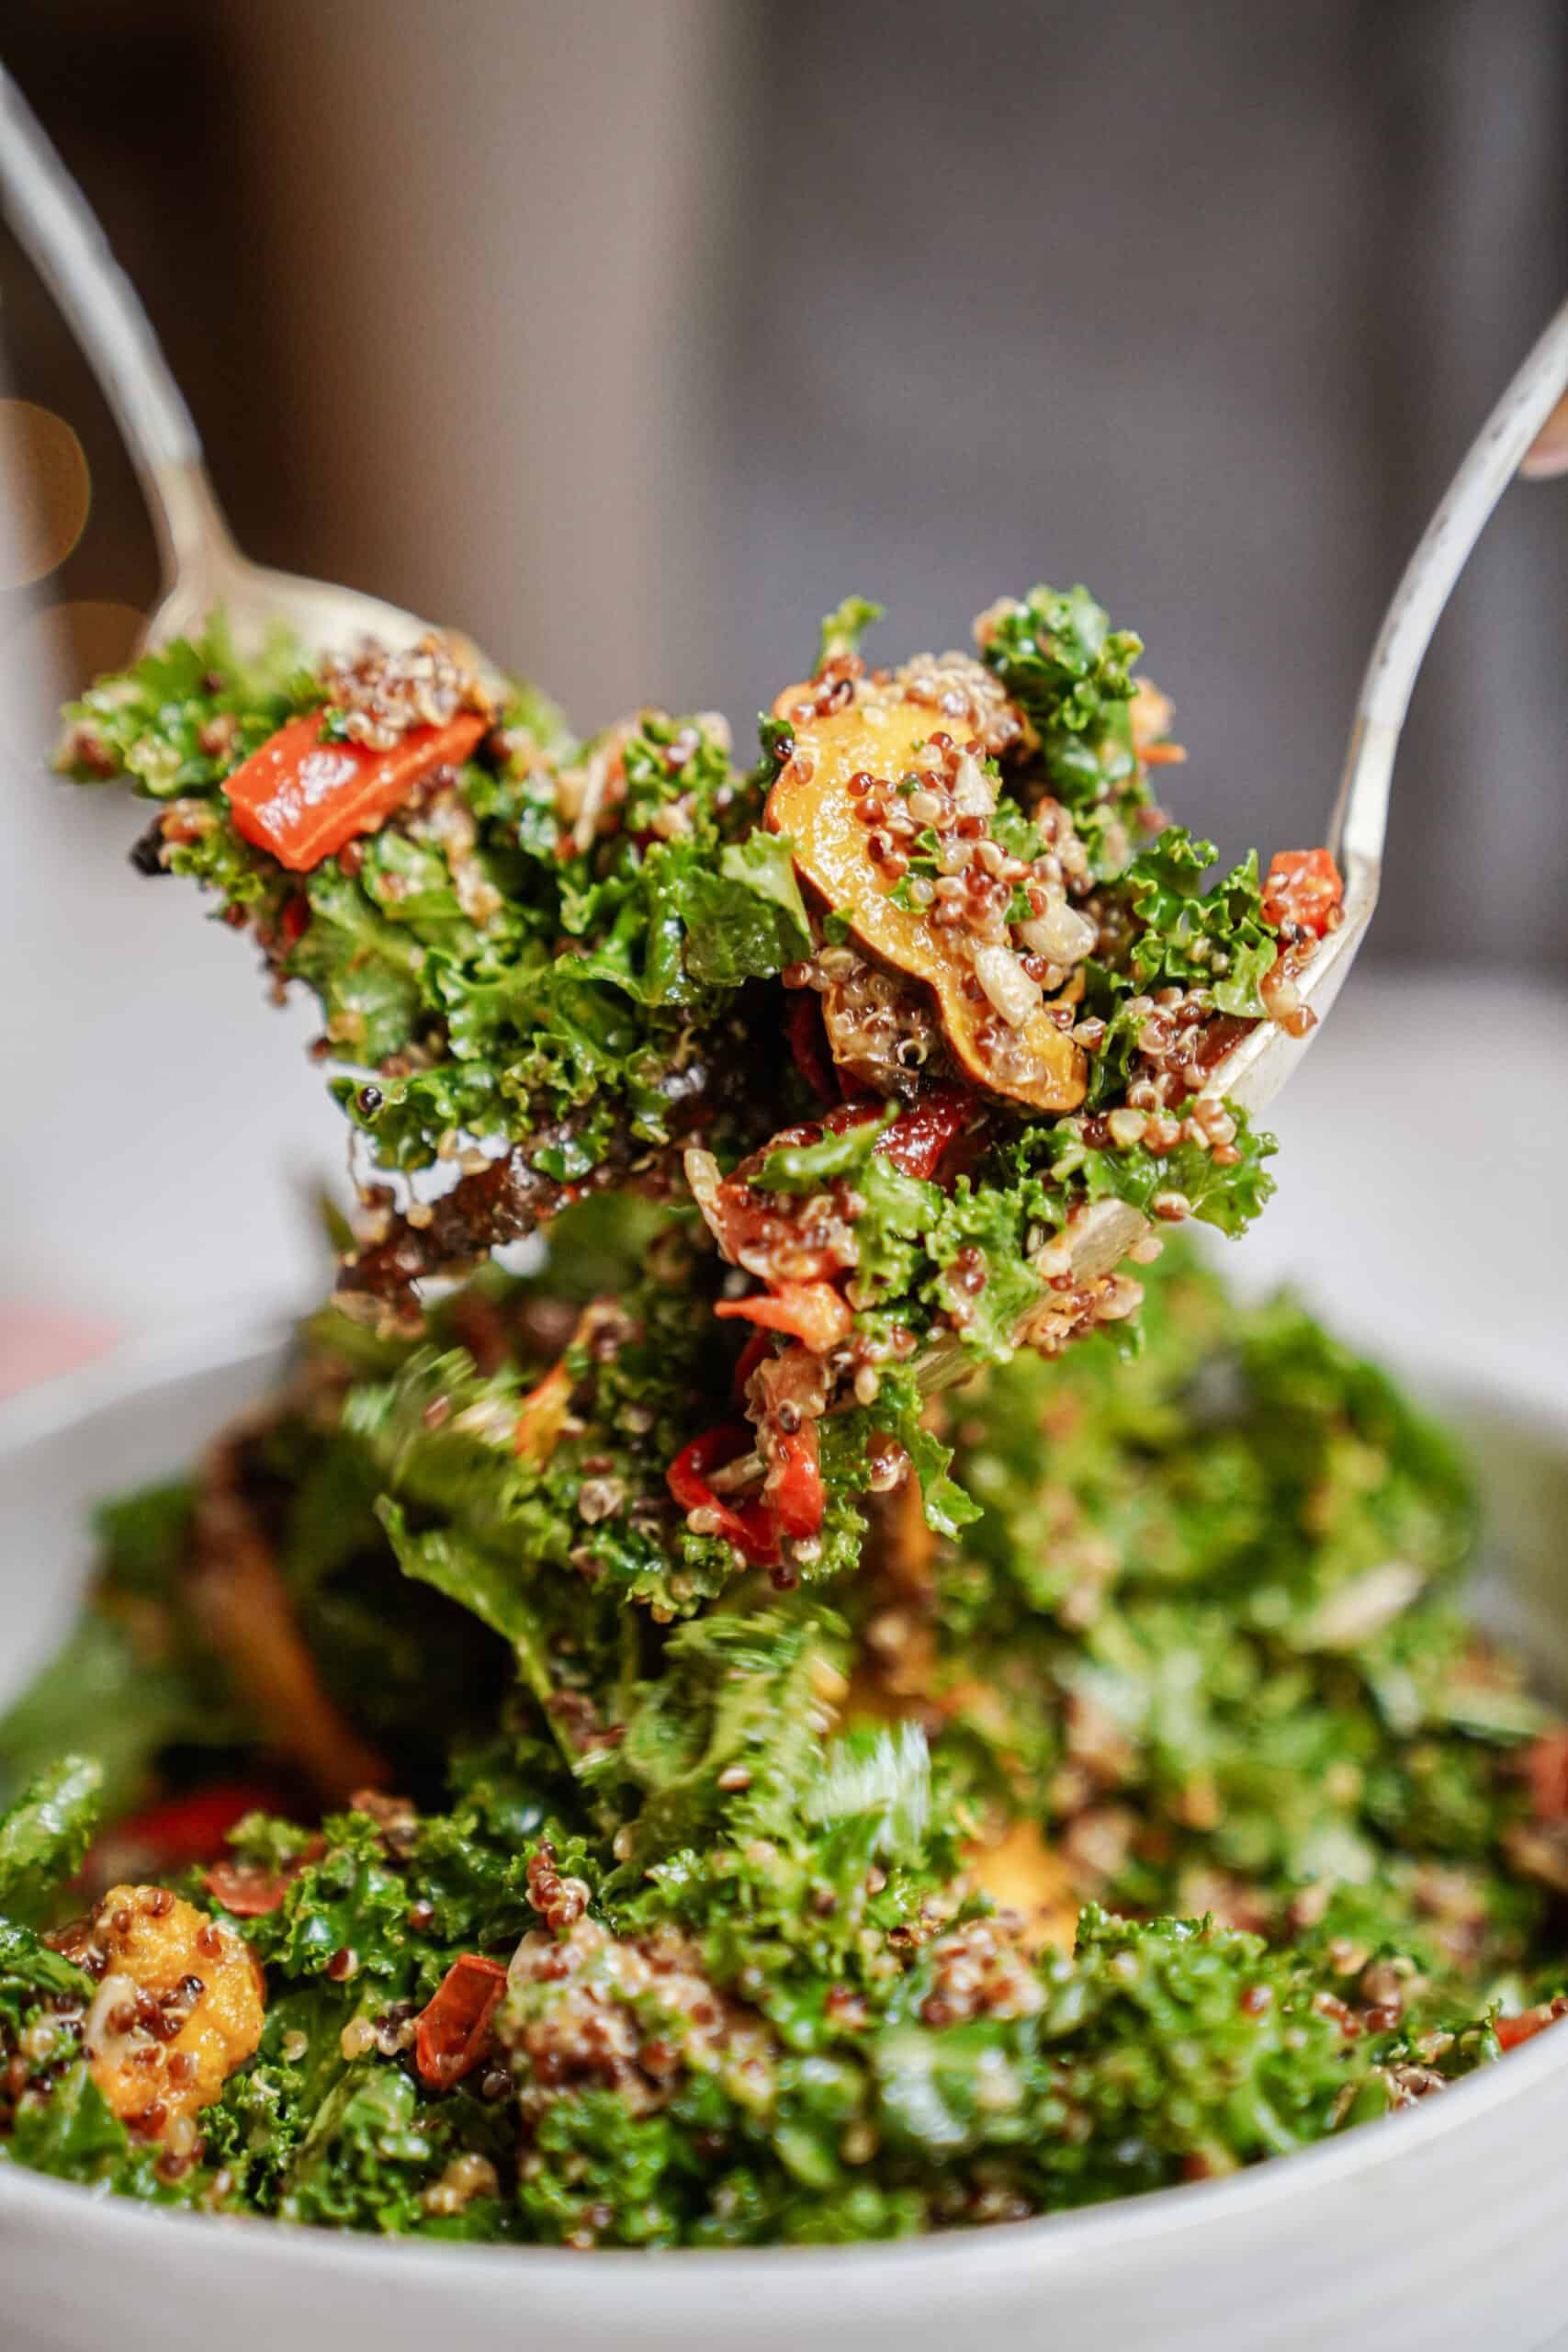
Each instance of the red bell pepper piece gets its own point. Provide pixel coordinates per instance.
(251, 1891)
(814, 1312)
(452, 2031)
(918, 1138)
(809, 1044)
(746, 1363)
(1511, 2032)
(302, 799)
(1303, 887)
(180, 1831)
(793, 1488)
(749, 1525)
(1546, 1772)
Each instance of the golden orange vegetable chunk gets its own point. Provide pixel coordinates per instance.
(180, 2003)
(1022, 1873)
(1027, 1059)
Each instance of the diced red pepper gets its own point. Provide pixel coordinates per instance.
(1546, 1772)
(248, 1890)
(808, 1044)
(1511, 2032)
(918, 1138)
(180, 1831)
(302, 799)
(1303, 887)
(814, 1312)
(794, 1489)
(746, 1363)
(749, 1525)
(452, 2032)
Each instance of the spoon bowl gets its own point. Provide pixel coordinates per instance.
(203, 569)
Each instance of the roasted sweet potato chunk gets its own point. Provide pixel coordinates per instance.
(1019, 1051)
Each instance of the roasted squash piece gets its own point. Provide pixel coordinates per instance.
(1030, 1060)
(1022, 1873)
(180, 2003)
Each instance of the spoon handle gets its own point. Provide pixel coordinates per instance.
(1361, 813)
(58, 229)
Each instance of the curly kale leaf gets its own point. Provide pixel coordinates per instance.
(365, 969)
(731, 1727)
(1225, 1197)
(73, 2133)
(985, 1282)
(812, 1166)
(1174, 2065)
(477, 1581)
(156, 722)
(350, 1897)
(29, 1965)
(1070, 672)
(45, 1835)
(1214, 939)
(742, 921)
(850, 1439)
(596, 1507)
(375, 2147)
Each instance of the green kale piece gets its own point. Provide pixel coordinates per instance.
(478, 1581)
(1227, 1197)
(365, 969)
(843, 627)
(1216, 940)
(141, 1692)
(43, 1839)
(745, 922)
(185, 714)
(443, 1439)
(1187, 2046)
(811, 1166)
(732, 1727)
(71, 2132)
(375, 2153)
(1070, 672)
(29, 1965)
(46, 1834)
(351, 1898)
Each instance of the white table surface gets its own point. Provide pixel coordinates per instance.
(1422, 1167)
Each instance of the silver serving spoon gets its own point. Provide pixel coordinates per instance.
(202, 567)
(1254, 1070)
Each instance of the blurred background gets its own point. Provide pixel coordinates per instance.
(628, 334)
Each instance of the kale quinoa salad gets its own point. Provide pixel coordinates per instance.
(785, 1665)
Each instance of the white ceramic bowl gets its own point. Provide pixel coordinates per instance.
(1435, 2228)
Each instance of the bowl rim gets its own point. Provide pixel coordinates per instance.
(187, 1348)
